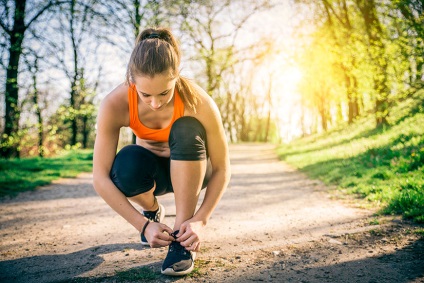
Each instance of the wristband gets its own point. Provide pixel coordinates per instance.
(144, 227)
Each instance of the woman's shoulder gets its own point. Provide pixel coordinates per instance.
(206, 108)
(118, 97)
(116, 102)
(204, 101)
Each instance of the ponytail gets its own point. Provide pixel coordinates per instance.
(187, 92)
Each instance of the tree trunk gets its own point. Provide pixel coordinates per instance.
(40, 125)
(268, 120)
(74, 83)
(420, 70)
(378, 56)
(12, 115)
(136, 28)
(323, 112)
(85, 132)
(352, 98)
(342, 42)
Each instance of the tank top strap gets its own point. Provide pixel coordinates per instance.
(132, 104)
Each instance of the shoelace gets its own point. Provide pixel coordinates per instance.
(153, 215)
(176, 246)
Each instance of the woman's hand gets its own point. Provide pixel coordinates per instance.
(159, 148)
(190, 235)
(158, 235)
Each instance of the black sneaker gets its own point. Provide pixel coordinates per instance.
(178, 261)
(155, 216)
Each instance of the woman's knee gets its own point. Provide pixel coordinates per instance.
(187, 140)
(129, 172)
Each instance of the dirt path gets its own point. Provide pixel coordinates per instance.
(272, 225)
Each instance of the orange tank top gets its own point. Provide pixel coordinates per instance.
(145, 133)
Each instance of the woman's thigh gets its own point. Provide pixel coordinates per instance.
(137, 170)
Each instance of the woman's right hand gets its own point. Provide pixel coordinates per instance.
(158, 235)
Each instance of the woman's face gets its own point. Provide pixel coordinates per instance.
(157, 92)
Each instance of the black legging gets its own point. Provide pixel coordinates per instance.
(136, 169)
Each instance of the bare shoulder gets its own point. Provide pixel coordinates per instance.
(208, 114)
(115, 106)
(206, 106)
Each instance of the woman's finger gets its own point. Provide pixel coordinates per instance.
(190, 241)
(157, 243)
(164, 237)
(184, 237)
(195, 247)
(182, 230)
(166, 229)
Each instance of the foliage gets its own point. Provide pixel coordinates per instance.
(17, 175)
(369, 52)
(355, 57)
(384, 166)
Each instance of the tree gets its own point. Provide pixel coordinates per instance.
(35, 94)
(80, 30)
(213, 44)
(15, 28)
(321, 80)
(377, 53)
(407, 18)
(343, 37)
(209, 30)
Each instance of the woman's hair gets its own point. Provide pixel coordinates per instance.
(156, 51)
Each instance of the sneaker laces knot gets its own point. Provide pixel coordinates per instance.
(176, 246)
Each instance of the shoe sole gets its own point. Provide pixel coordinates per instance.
(161, 218)
(171, 272)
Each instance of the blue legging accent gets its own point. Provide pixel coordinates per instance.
(136, 169)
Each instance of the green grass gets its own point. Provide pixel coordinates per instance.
(419, 232)
(18, 175)
(142, 274)
(383, 166)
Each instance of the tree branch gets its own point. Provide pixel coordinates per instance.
(45, 8)
(329, 7)
(3, 25)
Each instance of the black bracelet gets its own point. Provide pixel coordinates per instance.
(144, 227)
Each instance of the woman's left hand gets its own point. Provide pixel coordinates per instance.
(190, 234)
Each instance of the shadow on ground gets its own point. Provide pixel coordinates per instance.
(401, 266)
(59, 266)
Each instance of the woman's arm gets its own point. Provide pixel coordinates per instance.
(108, 127)
(210, 117)
(208, 114)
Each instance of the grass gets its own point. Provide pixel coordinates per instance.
(419, 232)
(18, 175)
(383, 166)
(151, 274)
(142, 274)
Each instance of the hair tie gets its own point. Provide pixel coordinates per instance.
(153, 35)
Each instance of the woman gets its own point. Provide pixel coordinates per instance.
(181, 148)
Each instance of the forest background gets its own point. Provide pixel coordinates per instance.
(341, 80)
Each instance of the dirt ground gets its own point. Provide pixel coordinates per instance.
(272, 225)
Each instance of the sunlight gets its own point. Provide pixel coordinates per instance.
(283, 77)
(288, 108)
